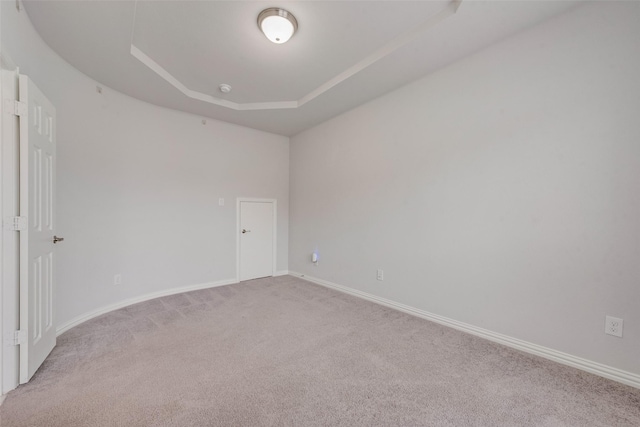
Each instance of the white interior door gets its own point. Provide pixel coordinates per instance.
(37, 204)
(256, 239)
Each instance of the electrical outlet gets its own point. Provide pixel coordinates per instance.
(380, 274)
(117, 279)
(613, 326)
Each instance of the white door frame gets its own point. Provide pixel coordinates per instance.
(274, 204)
(9, 193)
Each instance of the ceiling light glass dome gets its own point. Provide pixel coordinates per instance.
(277, 24)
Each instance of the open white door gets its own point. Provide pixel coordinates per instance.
(37, 210)
(257, 239)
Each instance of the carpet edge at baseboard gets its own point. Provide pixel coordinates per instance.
(111, 307)
(121, 304)
(596, 368)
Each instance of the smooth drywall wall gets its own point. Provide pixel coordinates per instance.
(502, 191)
(138, 185)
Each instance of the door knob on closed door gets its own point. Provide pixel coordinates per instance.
(57, 239)
(245, 231)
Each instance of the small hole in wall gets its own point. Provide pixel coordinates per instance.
(204, 122)
(99, 89)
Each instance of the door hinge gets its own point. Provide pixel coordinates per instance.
(17, 108)
(16, 223)
(20, 108)
(19, 337)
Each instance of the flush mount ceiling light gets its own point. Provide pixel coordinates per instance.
(277, 24)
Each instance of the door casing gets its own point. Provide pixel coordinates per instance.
(274, 203)
(9, 248)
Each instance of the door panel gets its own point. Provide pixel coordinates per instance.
(37, 203)
(256, 239)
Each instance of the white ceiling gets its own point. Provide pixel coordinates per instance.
(176, 53)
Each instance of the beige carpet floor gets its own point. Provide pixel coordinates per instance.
(284, 352)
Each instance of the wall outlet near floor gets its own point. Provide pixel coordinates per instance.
(117, 279)
(613, 326)
(380, 274)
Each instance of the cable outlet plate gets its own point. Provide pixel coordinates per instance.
(613, 326)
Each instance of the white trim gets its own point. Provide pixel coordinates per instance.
(194, 94)
(281, 273)
(2, 190)
(383, 51)
(450, 9)
(274, 203)
(9, 281)
(2, 397)
(596, 368)
(106, 309)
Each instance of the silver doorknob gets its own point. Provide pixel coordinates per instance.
(245, 231)
(57, 239)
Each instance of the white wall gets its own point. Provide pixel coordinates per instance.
(138, 185)
(502, 191)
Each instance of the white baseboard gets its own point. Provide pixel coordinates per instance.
(596, 368)
(102, 310)
(2, 397)
(281, 273)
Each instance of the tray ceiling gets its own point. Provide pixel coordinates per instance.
(176, 53)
